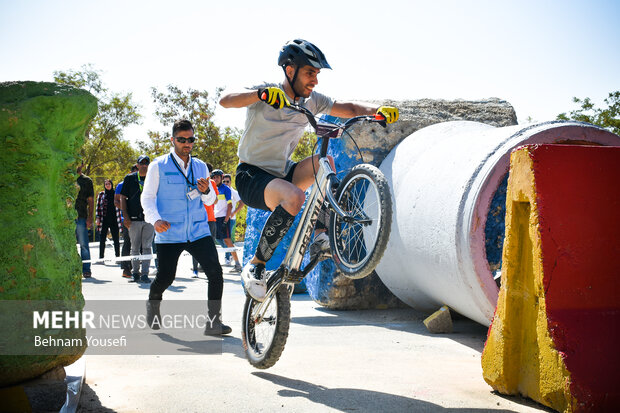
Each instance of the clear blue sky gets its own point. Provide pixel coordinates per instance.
(535, 54)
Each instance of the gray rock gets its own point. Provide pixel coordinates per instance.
(376, 142)
(440, 322)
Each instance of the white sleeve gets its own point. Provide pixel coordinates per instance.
(210, 198)
(149, 194)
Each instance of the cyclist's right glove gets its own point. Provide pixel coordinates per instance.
(273, 96)
(390, 113)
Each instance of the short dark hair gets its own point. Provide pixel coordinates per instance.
(180, 125)
(227, 176)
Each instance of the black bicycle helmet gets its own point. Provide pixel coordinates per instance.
(301, 53)
(217, 172)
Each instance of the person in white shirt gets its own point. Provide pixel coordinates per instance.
(175, 191)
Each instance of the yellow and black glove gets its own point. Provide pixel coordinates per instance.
(273, 96)
(390, 113)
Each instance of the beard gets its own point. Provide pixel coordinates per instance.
(301, 90)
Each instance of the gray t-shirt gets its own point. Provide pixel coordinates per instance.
(271, 135)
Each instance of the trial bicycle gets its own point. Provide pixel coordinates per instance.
(360, 221)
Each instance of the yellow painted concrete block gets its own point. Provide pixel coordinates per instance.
(519, 356)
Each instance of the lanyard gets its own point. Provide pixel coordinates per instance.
(191, 170)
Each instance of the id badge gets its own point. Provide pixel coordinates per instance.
(193, 194)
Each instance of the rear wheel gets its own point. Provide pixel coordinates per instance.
(358, 245)
(264, 335)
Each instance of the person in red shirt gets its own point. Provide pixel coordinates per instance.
(211, 219)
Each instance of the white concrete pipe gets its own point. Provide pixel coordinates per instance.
(443, 179)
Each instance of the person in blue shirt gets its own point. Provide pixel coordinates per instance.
(175, 191)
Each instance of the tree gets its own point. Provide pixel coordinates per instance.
(106, 154)
(306, 147)
(608, 118)
(214, 145)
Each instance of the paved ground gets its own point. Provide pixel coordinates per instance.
(340, 361)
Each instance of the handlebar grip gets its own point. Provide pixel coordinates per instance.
(381, 119)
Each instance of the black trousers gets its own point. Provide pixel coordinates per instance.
(212, 229)
(205, 253)
(112, 225)
(126, 265)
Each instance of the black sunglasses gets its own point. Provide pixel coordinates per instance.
(191, 139)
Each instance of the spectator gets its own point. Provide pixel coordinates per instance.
(108, 217)
(211, 219)
(175, 192)
(84, 205)
(237, 205)
(126, 250)
(140, 232)
(223, 210)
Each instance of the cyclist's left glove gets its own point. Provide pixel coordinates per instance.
(390, 113)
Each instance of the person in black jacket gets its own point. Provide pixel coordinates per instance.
(140, 232)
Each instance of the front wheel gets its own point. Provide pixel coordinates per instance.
(264, 334)
(358, 245)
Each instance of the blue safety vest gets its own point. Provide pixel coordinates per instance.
(187, 218)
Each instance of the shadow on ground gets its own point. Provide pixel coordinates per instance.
(90, 403)
(466, 332)
(358, 400)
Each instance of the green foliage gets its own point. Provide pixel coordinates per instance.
(608, 118)
(306, 147)
(106, 154)
(241, 224)
(214, 145)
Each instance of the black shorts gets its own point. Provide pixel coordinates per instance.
(222, 228)
(251, 182)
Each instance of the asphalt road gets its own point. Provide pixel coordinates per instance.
(334, 361)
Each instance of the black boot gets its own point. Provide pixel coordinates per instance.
(214, 326)
(153, 318)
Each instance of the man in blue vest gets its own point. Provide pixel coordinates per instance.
(175, 192)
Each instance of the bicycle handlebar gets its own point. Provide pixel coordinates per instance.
(377, 117)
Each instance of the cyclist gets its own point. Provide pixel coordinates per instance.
(266, 177)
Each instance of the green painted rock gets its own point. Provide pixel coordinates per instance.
(42, 128)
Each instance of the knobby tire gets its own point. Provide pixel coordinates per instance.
(260, 356)
(356, 248)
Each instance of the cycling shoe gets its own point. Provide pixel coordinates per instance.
(253, 277)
